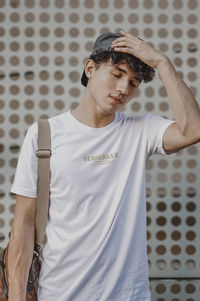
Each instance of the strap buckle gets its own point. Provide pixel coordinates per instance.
(43, 153)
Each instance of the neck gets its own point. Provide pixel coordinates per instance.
(90, 114)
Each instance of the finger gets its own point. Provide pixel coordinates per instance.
(123, 32)
(133, 39)
(130, 41)
(126, 33)
(124, 49)
(129, 44)
(123, 44)
(120, 40)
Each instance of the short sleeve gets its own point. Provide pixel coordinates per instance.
(156, 126)
(25, 180)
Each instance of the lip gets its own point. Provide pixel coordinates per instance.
(116, 99)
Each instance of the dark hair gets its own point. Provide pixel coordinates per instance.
(143, 71)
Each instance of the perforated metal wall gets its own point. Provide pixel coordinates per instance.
(43, 47)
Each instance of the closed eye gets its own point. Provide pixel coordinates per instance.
(132, 84)
(116, 75)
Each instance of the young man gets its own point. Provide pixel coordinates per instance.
(96, 231)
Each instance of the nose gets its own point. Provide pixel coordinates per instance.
(123, 87)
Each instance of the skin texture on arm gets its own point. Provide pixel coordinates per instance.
(21, 247)
(186, 129)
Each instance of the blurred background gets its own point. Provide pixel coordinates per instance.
(43, 47)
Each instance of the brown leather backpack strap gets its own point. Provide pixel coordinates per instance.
(43, 182)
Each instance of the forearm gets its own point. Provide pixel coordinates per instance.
(20, 255)
(185, 107)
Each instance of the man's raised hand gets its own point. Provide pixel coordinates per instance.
(138, 48)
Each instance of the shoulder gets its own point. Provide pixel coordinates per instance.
(58, 120)
(54, 121)
(32, 131)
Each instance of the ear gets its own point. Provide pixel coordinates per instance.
(89, 67)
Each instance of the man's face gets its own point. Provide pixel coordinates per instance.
(112, 86)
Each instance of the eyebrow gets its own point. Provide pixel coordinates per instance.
(124, 71)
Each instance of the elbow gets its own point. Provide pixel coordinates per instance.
(193, 135)
(194, 139)
(197, 136)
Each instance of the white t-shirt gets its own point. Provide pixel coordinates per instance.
(96, 247)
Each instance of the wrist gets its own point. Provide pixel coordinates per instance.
(163, 63)
(166, 70)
